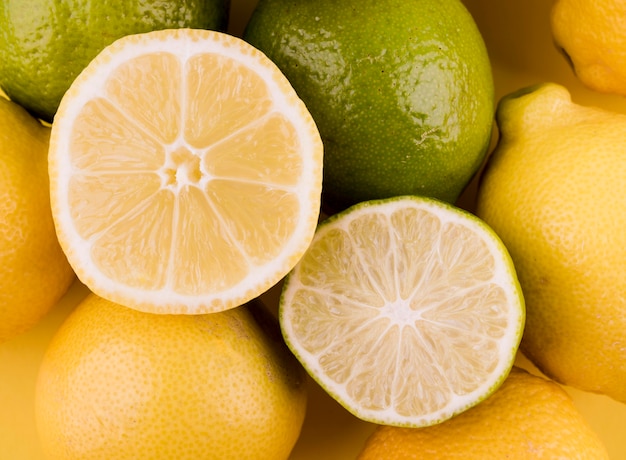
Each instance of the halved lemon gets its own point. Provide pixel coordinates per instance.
(185, 172)
(407, 310)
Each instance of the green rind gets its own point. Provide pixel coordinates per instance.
(401, 90)
(45, 44)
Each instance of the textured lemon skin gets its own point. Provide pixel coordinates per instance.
(44, 44)
(34, 272)
(401, 91)
(118, 383)
(528, 417)
(591, 34)
(554, 192)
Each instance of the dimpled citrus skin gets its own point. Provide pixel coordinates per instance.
(591, 33)
(34, 272)
(554, 192)
(401, 91)
(529, 417)
(44, 44)
(116, 383)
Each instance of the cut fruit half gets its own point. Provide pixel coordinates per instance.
(406, 310)
(185, 173)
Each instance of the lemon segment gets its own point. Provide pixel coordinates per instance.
(185, 172)
(406, 310)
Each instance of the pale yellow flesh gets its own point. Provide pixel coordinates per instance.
(208, 191)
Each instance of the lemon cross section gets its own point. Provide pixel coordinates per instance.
(406, 310)
(185, 172)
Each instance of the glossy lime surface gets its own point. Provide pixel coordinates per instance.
(401, 90)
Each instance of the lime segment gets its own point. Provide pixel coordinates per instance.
(406, 310)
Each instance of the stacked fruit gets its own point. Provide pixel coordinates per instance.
(180, 173)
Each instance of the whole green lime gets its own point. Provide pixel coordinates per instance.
(44, 44)
(401, 90)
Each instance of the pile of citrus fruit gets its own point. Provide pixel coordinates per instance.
(277, 229)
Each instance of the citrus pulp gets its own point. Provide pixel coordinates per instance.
(406, 310)
(185, 172)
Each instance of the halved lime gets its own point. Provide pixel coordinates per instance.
(406, 310)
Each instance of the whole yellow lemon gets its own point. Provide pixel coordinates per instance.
(591, 33)
(528, 417)
(121, 384)
(34, 272)
(554, 190)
